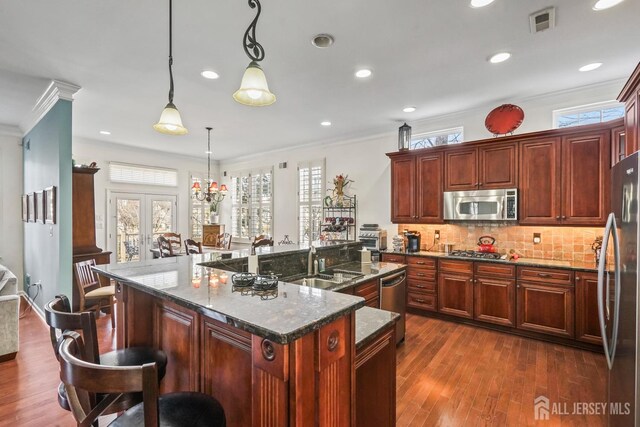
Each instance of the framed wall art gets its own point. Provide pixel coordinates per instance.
(31, 209)
(50, 205)
(25, 208)
(38, 203)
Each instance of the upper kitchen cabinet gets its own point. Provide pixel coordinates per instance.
(630, 95)
(482, 168)
(416, 188)
(564, 180)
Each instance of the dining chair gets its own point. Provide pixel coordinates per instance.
(262, 242)
(84, 380)
(175, 239)
(224, 241)
(93, 296)
(60, 319)
(164, 247)
(192, 247)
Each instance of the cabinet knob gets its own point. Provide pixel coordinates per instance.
(558, 217)
(577, 278)
(564, 217)
(480, 184)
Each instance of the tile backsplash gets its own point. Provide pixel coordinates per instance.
(558, 243)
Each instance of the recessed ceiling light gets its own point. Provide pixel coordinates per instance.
(364, 73)
(208, 152)
(499, 57)
(590, 67)
(605, 4)
(409, 109)
(322, 40)
(208, 74)
(105, 132)
(480, 3)
(326, 123)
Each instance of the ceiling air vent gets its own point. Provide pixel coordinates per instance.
(543, 20)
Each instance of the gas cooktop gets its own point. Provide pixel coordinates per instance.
(475, 254)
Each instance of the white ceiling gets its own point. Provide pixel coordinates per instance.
(427, 53)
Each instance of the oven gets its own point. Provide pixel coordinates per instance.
(374, 240)
(481, 205)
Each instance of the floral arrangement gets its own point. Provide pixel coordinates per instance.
(340, 183)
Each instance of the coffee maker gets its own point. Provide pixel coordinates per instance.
(413, 241)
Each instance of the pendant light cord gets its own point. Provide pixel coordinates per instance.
(170, 52)
(208, 158)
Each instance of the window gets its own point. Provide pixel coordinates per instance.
(252, 203)
(199, 210)
(439, 137)
(310, 199)
(143, 175)
(588, 114)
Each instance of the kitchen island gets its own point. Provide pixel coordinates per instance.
(286, 358)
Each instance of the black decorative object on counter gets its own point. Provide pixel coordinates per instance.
(266, 287)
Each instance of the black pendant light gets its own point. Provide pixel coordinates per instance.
(170, 121)
(254, 90)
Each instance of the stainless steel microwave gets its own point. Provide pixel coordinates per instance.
(481, 205)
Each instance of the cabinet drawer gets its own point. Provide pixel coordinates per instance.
(422, 286)
(419, 261)
(546, 275)
(422, 301)
(373, 302)
(495, 269)
(368, 290)
(397, 258)
(456, 266)
(421, 274)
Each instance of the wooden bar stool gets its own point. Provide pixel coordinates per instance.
(60, 319)
(84, 380)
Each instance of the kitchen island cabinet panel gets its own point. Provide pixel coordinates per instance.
(370, 291)
(540, 175)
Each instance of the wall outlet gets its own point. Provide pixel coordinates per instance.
(537, 238)
(436, 234)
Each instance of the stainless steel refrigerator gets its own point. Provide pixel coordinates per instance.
(618, 295)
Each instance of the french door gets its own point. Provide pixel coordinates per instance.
(135, 222)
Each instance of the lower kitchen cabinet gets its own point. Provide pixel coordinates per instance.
(370, 291)
(376, 381)
(455, 288)
(494, 300)
(546, 308)
(587, 322)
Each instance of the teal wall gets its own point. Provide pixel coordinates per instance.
(47, 162)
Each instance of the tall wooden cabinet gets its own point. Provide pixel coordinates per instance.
(630, 95)
(84, 223)
(416, 188)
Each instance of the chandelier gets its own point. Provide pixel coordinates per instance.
(213, 194)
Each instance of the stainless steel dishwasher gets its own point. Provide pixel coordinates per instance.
(393, 298)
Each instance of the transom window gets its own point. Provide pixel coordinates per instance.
(588, 114)
(436, 138)
(310, 199)
(142, 175)
(252, 203)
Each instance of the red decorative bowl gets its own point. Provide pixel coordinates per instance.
(504, 119)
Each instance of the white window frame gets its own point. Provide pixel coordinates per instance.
(448, 131)
(204, 208)
(234, 203)
(310, 203)
(172, 172)
(596, 106)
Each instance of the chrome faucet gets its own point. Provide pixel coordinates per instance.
(312, 251)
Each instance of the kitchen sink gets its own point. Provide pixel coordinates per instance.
(326, 280)
(315, 282)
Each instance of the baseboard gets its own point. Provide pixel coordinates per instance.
(33, 305)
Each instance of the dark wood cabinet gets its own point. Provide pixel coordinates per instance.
(376, 381)
(618, 144)
(630, 95)
(429, 168)
(540, 176)
(390, 257)
(482, 168)
(587, 321)
(176, 330)
(494, 293)
(455, 288)
(461, 171)
(403, 187)
(422, 285)
(370, 291)
(585, 179)
(546, 301)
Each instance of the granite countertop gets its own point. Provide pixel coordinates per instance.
(531, 262)
(369, 271)
(370, 321)
(296, 311)
(213, 255)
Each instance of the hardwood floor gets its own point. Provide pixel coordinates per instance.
(450, 374)
(447, 375)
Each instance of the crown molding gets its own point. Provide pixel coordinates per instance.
(9, 130)
(57, 90)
